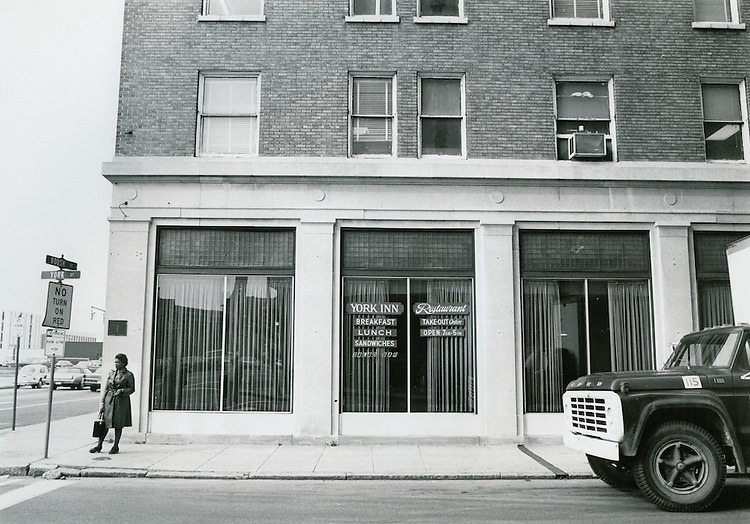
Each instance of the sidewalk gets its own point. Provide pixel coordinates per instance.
(22, 453)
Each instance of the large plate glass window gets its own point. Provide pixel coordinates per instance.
(587, 308)
(228, 115)
(724, 121)
(223, 320)
(408, 342)
(372, 115)
(441, 115)
(712, 276)
(584, 122)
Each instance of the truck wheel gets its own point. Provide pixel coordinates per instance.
(681, 468)
(612, 472)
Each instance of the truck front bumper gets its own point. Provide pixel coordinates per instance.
(592, 446)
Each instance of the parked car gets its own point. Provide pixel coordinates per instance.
(68, 376)
(63, 364)
(92, 379)
(32, 375)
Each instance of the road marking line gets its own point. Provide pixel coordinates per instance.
(19, 495)
(54, 403)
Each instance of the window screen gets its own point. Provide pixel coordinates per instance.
(554, 252)
(225, 249)
(416, 252)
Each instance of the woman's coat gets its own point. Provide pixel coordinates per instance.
(116, 408)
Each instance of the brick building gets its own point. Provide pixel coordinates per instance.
(417, 218)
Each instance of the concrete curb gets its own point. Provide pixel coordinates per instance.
(86, 472)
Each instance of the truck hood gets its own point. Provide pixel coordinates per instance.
(674, 378)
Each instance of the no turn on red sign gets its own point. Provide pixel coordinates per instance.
(59, 305)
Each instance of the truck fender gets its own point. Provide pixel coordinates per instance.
(632, 439)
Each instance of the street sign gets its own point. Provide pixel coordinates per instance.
(60, 275)
(61, 263)
(59, 304)
(55, 346)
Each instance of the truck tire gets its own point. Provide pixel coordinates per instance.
(612, 472)
(681, 467)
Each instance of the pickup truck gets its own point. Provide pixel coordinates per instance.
(673, 432)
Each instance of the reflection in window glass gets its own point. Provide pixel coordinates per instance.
(439, 7)
(441, 116)
(722, 121)
(372, 7)
(223, 343)
(577, 8)
(234, 7)
(408, 345)
(713, 11)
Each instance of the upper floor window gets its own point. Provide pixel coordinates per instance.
(580, 12)
(724, 121)
(584, 121)
(233, 9)
(372, 115)
(450, 11)
(441, 116)
(372, 7)
(228, 115)
(715, 10)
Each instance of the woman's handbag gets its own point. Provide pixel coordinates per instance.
(100, 429)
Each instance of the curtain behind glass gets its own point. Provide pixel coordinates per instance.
(187, 352)
(542, 347)
(369, 387)
(450, 360)
(258, 362)
(630, 327)
(714, 304)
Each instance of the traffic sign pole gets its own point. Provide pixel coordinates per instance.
(49, 404)
(15, 380)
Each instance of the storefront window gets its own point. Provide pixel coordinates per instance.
(576, 327)
(223, 343)
(222, 328)
(408, 345)
(586, 309)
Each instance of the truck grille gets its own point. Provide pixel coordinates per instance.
(588, 414)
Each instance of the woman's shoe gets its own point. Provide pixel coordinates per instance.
(95, 449)
(114, 451)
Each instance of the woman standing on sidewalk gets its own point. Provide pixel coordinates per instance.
(114, 406)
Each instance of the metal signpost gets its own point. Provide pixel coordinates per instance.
(17, 326)
(57, 316)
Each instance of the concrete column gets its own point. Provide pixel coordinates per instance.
(314, 350)
(496, 332)
(126, 299)
(673, 312)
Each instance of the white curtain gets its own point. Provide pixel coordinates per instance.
(223, 347)
(450, 360)
(368, 379)
(542, 347)
(715, 304)
(630, 327)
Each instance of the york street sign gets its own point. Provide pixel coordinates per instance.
(61, 263)
(59, 304)
(60, 275)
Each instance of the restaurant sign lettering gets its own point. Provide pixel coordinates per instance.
(374, 332)
(442, 319)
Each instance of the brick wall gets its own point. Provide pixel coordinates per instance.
(509, 54)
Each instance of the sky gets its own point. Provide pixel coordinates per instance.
(60, 64)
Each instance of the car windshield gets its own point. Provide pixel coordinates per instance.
(709, 349)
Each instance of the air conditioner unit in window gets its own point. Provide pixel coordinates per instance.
(587, 145)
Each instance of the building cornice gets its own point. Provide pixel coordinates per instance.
(282, 170)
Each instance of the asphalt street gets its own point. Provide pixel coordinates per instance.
(182, 501)
(32, 405)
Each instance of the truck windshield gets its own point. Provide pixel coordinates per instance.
(704, 349)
